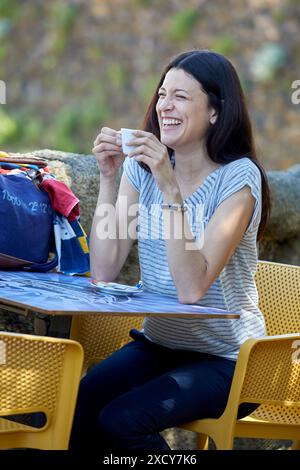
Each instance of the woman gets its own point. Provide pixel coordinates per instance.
(196, 151)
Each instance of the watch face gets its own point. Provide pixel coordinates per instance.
(113, 288)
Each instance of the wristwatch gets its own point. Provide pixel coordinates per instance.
(174, 207)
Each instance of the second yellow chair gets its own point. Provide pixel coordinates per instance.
(38, 375)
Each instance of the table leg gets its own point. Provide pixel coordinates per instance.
(48, 325)
(41, 324)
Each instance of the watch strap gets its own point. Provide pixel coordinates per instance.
(174, 207)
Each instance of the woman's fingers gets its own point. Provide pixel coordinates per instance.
(104, 146)
(105, 138)
(148, 140)
(145, 159)
(107, 135)
(153, 152)
(139, 133)
(141, 149)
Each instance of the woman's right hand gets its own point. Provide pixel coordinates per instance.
(108, 152)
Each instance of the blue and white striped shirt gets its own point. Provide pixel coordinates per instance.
(235, 287)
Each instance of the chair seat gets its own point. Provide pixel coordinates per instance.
(6, 425)
(273, 414)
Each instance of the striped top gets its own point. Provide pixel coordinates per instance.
(235, 287)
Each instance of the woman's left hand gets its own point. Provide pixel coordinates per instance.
(151, 151)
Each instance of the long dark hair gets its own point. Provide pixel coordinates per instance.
(231, 137)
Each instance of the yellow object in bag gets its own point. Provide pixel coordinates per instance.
(3, 154)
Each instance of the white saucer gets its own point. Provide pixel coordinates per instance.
(113, 288)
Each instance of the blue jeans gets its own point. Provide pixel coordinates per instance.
(144, 388)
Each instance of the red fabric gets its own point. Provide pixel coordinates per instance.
(62, 199)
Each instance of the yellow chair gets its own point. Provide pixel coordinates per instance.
(38, 375)
(267, 370)
(100, 336)
(278, 287)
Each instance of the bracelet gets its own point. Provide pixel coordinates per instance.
(174, 207)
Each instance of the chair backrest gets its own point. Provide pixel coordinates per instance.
(273, 371)
(267, 373)
(38, 375)
(100, 336)
(273, 379)
(279, 296)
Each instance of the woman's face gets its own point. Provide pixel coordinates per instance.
(183, 111)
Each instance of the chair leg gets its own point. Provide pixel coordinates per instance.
(223, 443)
(202, 441)
(296, 445)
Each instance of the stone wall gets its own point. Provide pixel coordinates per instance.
(282, 238)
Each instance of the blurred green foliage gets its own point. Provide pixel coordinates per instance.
(20, 127)
(49, 61)
(72, 67)
(74, 123)
(224, 44)
(117, 75)
(279, 17)
(70, 129)
(64, 17)
(9, 9)
(8, 128)
(3, 50)
(147, 89)
(144, 3)
(181, 24)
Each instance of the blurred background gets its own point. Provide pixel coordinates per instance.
(72, 66)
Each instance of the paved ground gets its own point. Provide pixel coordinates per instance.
(179, 439)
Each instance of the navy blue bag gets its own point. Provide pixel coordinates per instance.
(26, 224)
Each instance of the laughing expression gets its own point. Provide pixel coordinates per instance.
(183, 111)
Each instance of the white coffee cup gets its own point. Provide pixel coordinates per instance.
(127, 135)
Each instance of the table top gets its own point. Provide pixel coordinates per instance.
(59, 294)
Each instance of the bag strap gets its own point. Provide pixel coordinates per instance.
(37, 178)
(29, 159)
(42, 267)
